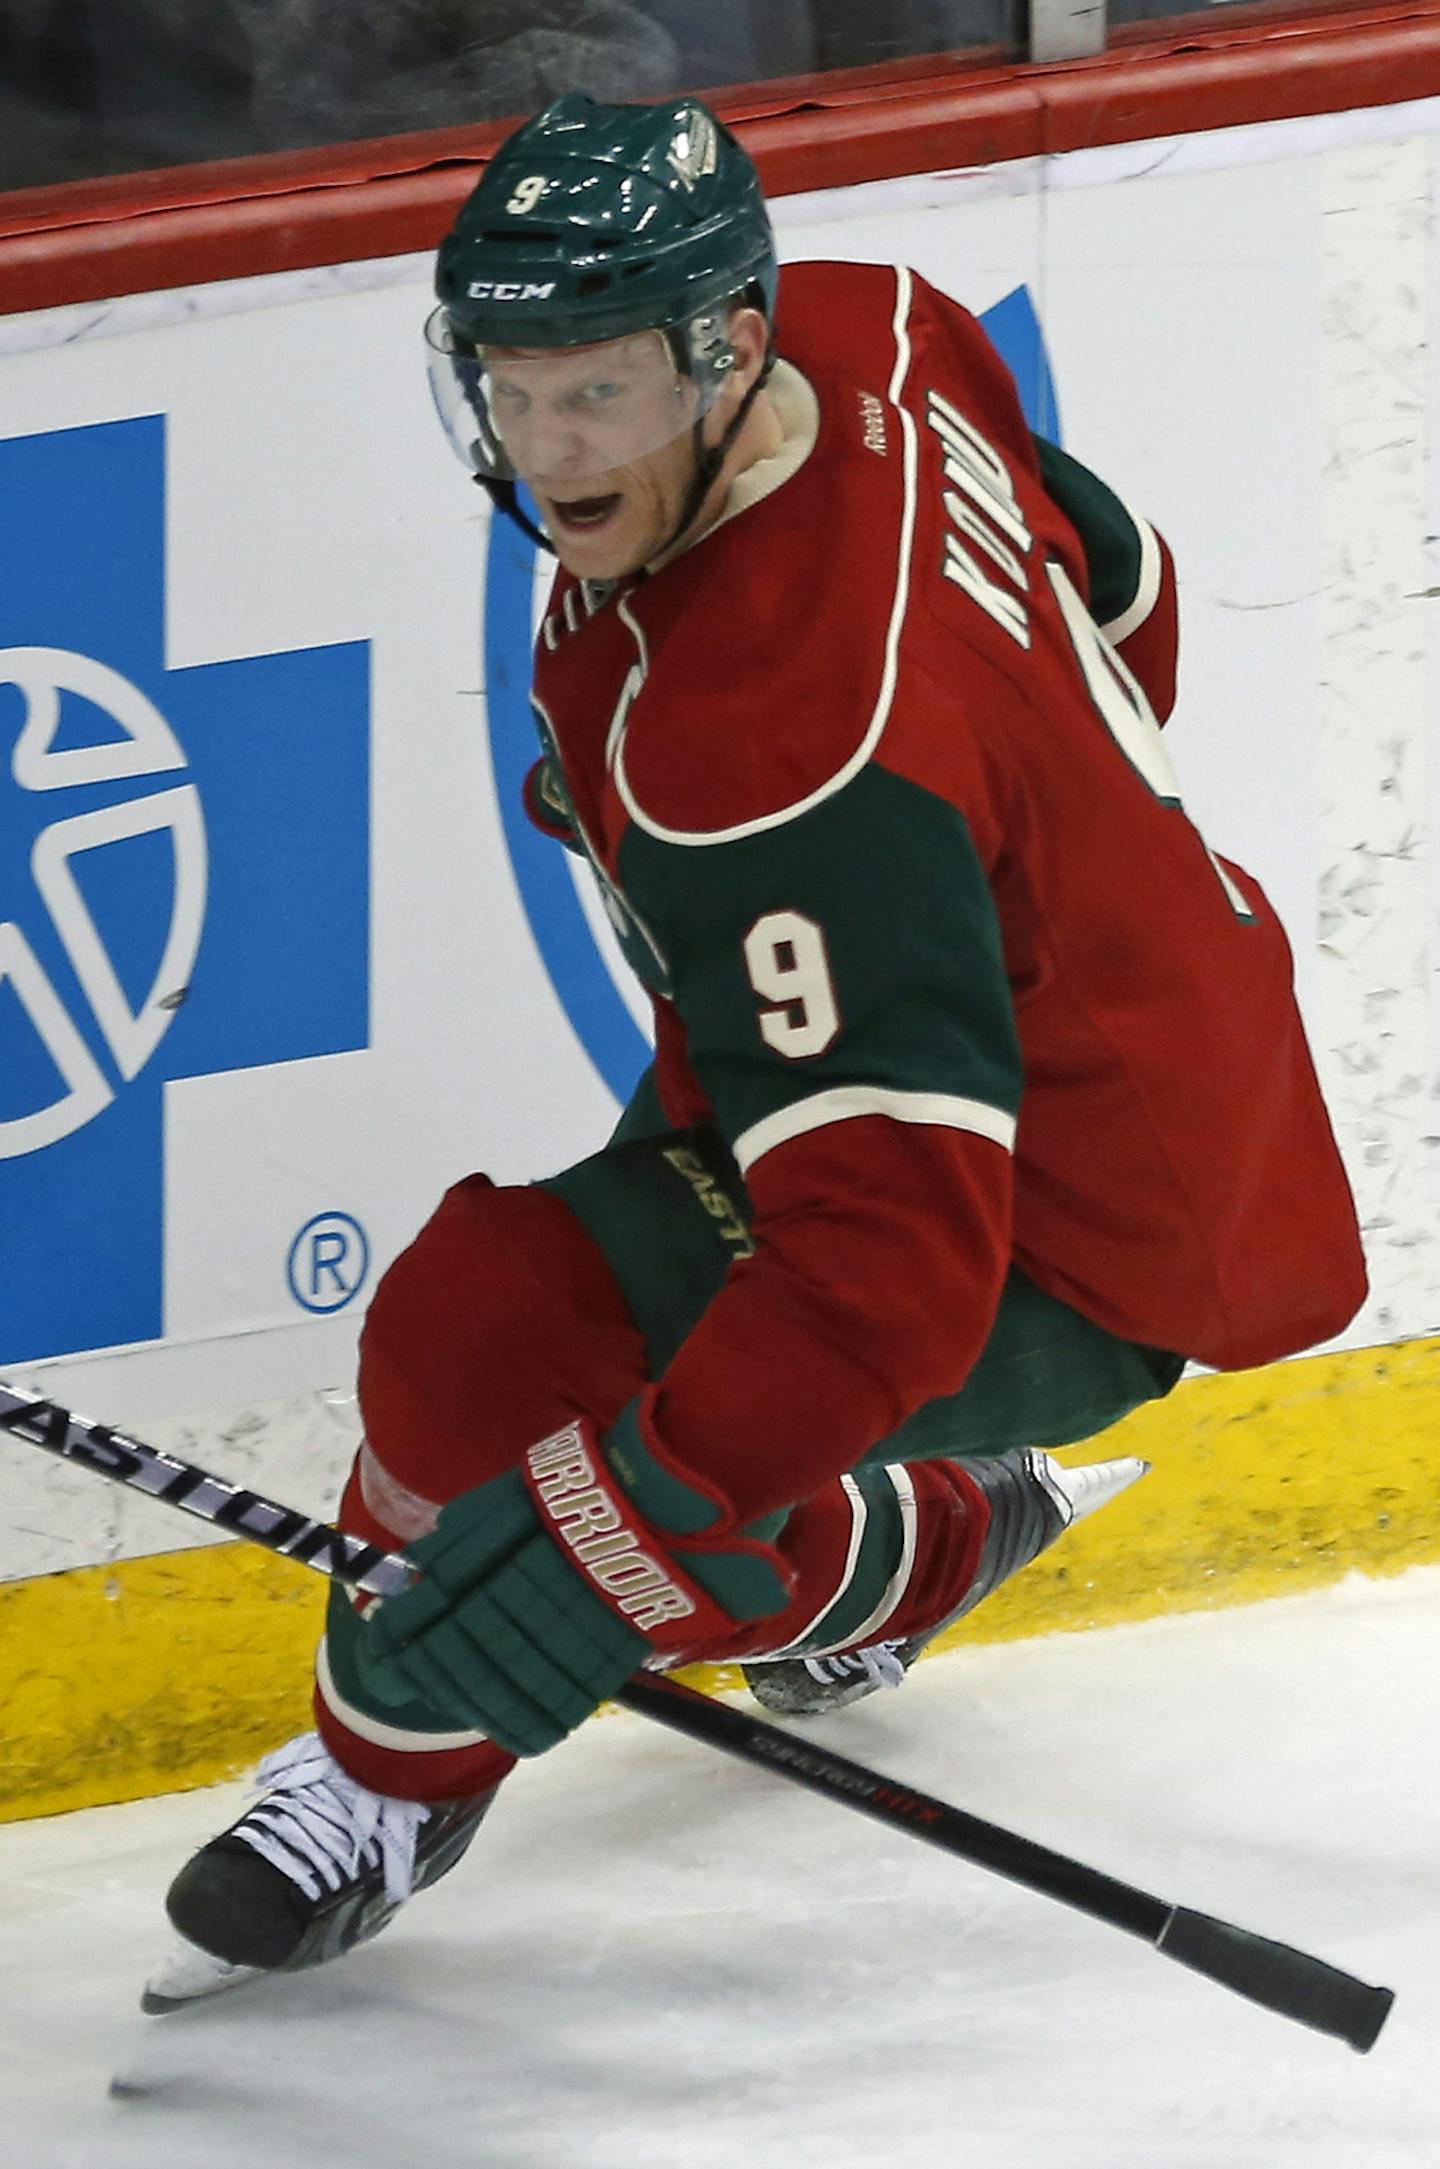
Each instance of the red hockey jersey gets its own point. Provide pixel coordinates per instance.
(889, 825)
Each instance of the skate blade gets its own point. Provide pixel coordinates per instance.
(186, 1974)
(797, 1703)
(1085, 1490)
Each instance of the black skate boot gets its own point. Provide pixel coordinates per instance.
(1033, 1499)
(317, 1865)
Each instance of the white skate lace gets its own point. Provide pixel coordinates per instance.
(317, 1824)
(880, 1664)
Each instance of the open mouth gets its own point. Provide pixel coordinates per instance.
(583, 513)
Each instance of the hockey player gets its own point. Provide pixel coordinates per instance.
(980, 1100)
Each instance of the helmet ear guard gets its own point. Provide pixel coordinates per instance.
(702, 347)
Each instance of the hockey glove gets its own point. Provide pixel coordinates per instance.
(544, 1589)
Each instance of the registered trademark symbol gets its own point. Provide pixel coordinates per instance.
(328, 1262)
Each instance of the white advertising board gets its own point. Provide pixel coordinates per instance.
(278, 958)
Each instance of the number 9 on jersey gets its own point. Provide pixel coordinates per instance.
(786, 959)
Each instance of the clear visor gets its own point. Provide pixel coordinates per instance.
(567, 413)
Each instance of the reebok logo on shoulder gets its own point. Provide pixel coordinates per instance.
(872, 423)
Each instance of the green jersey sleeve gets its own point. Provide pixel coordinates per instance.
(840, 962)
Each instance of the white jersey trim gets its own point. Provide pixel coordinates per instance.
(880, 714)
(373, 1731)
(1147, 589)
(868, 1630)
(895, 1588)
(843, 1103)
(859, 1516)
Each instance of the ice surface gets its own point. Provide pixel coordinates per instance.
(659, 1959)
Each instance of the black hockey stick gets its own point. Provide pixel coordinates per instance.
(1272, 1974)
(126, 1460)
(1283, 1979)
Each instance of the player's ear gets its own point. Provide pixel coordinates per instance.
(749, 336)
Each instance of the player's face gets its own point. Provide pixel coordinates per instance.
(603, 435)
(562, 416)
(614, 523)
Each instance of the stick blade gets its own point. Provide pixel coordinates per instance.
(1284, 1980)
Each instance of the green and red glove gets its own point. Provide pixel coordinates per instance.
(544, 1589)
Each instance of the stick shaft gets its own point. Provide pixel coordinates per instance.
(126, 1460)
(1273, 1974)
(954, 1830)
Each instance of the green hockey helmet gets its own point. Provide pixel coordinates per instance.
(603, 229)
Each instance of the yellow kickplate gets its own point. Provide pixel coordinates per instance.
(162, 1673)
(151, 1676)
(1262, 1483)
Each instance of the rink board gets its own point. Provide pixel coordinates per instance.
(291, 620)
(160, 1673)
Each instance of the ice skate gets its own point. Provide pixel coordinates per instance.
(1033, 1500)
(317, 1865)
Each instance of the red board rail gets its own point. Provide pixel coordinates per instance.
(89, 241)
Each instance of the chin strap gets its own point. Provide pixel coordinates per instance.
(709, 459)
(506, 498)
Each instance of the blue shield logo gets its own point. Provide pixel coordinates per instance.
(184, 878)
